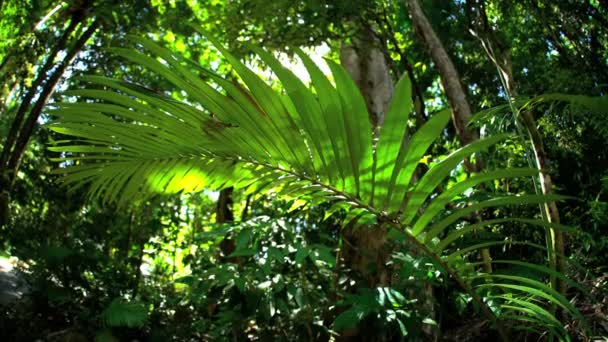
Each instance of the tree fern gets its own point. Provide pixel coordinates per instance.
(315, 143)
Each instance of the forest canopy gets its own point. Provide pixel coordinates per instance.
(350, 170)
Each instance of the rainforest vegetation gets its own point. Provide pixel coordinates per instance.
(304, 170)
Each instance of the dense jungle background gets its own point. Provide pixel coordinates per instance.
(316, 170)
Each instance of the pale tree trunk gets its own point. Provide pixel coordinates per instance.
(365, 248)
(367, 65)
(454, 91)
(500, 55)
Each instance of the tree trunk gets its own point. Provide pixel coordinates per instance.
(450, 79)
(417, 92)
(144, 219)
(127, 245)
(223, 209)
(454, 90)
(367, 65)
(17, 67)
(365, 249)
(370, 70)
(224, 214)
(33, 90)
(12, 154)
(245, 211)
(47, 92)
(6, 178)
(499, 53)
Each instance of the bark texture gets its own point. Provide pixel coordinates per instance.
(367, 65)
(364, 249)
(38, 82)
(450, 78)
(223, 211)
(47, 92)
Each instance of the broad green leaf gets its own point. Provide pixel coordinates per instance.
(349, 318)
(409, 158)
(390, 140)
(438, 227)
(439, 203)
(425, 186)
(358, 130)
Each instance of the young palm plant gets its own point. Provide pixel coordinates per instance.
(316, 143)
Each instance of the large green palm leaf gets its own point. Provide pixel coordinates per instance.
(314, 142)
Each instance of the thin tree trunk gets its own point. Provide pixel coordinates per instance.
(140, 260)
(499, 54)
(33, 90)
(454, 90)
(223, 211)
(224, 214)
(384, 21)
(144, 219)
(176, 218)
(369, 68)
(49, 89)
(18, 135)
(364, 248)
(127, 245)
(5, 61)
(245, 211)
(450, 79)
(15, 52)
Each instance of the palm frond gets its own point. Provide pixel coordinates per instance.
(314, 142)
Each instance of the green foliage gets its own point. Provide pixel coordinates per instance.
(265, 286)
(78, 255)
(319, 148)
(122, 313)
(384, 303)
